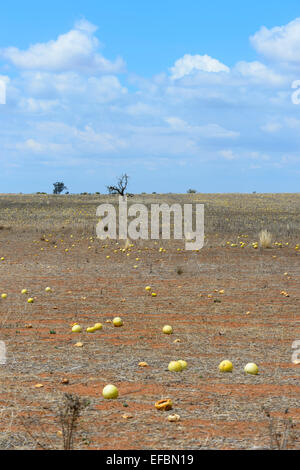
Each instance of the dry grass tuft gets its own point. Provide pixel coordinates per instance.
(281, 431)
(265, 239)
(69, 413)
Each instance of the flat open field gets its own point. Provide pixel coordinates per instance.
(223, 302)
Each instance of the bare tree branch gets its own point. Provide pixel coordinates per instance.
(121, 186)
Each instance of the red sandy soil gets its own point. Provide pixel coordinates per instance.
(217, 410)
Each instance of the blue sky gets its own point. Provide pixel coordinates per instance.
(177, 94)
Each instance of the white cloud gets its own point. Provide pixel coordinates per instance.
(5, 79)
(177, 124)
(75, 50)
(32, 105)
(85, 26)
(243, 154)
(259, 73)
(191, 63)
(68, 85)
(99, 142)
(228, 154)
(271, 127)
(104, 89)
(30, 145)
(281, 43)
(57, 139)
(141, 109)
(210, 131)
(257, 155)
(67, 112)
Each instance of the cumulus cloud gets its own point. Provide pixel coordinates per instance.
(75, 50)
(67, 105)
(281, 43)
(58, 139)
(192, 63)
(259, 72)
(33, 105)
(99, 141)
(68, 85)
(209, 131)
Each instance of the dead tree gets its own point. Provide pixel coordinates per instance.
(121, 186)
